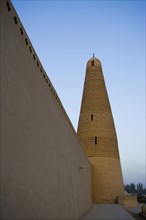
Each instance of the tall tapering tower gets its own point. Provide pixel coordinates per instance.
(97, 134)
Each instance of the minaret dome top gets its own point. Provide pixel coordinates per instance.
(93, 62)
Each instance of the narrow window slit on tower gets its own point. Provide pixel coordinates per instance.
(92, 63)
(8, 6)
(34, 56)
(95, 140)
(15, 19)
(92, 117)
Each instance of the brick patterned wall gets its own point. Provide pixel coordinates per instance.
(97, 134)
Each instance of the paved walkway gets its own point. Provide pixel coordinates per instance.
(107, 212)
(136, 210)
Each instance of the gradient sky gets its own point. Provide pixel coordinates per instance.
(66, 33)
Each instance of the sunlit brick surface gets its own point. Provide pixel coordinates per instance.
(97, 135)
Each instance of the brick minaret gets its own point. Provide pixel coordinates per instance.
(97, 134)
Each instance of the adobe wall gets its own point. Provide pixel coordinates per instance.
(44, 172)
(128, 201)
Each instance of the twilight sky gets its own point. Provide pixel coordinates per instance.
(65, 34)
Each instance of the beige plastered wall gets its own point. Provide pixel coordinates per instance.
(44, 172)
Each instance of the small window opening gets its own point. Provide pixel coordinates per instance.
(37, 63)
(34, 56)
(30, 49)
(15, 19)
(92, 117)
(95, 140)
(26, 41)
(8, 6)
(92, 63)
(21, 30)
(44, 76)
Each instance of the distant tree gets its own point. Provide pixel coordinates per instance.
(140, 189)
(132, 188)
(127, 188)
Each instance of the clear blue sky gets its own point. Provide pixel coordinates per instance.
(66, 33)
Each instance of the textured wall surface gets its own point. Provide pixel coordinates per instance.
(44, 171)
(97, 135)
(129, 201)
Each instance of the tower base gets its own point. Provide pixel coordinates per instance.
(106, 180)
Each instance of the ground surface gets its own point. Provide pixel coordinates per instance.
(108, 212)
(135, 212)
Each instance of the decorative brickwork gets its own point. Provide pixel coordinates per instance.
(97, 135)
